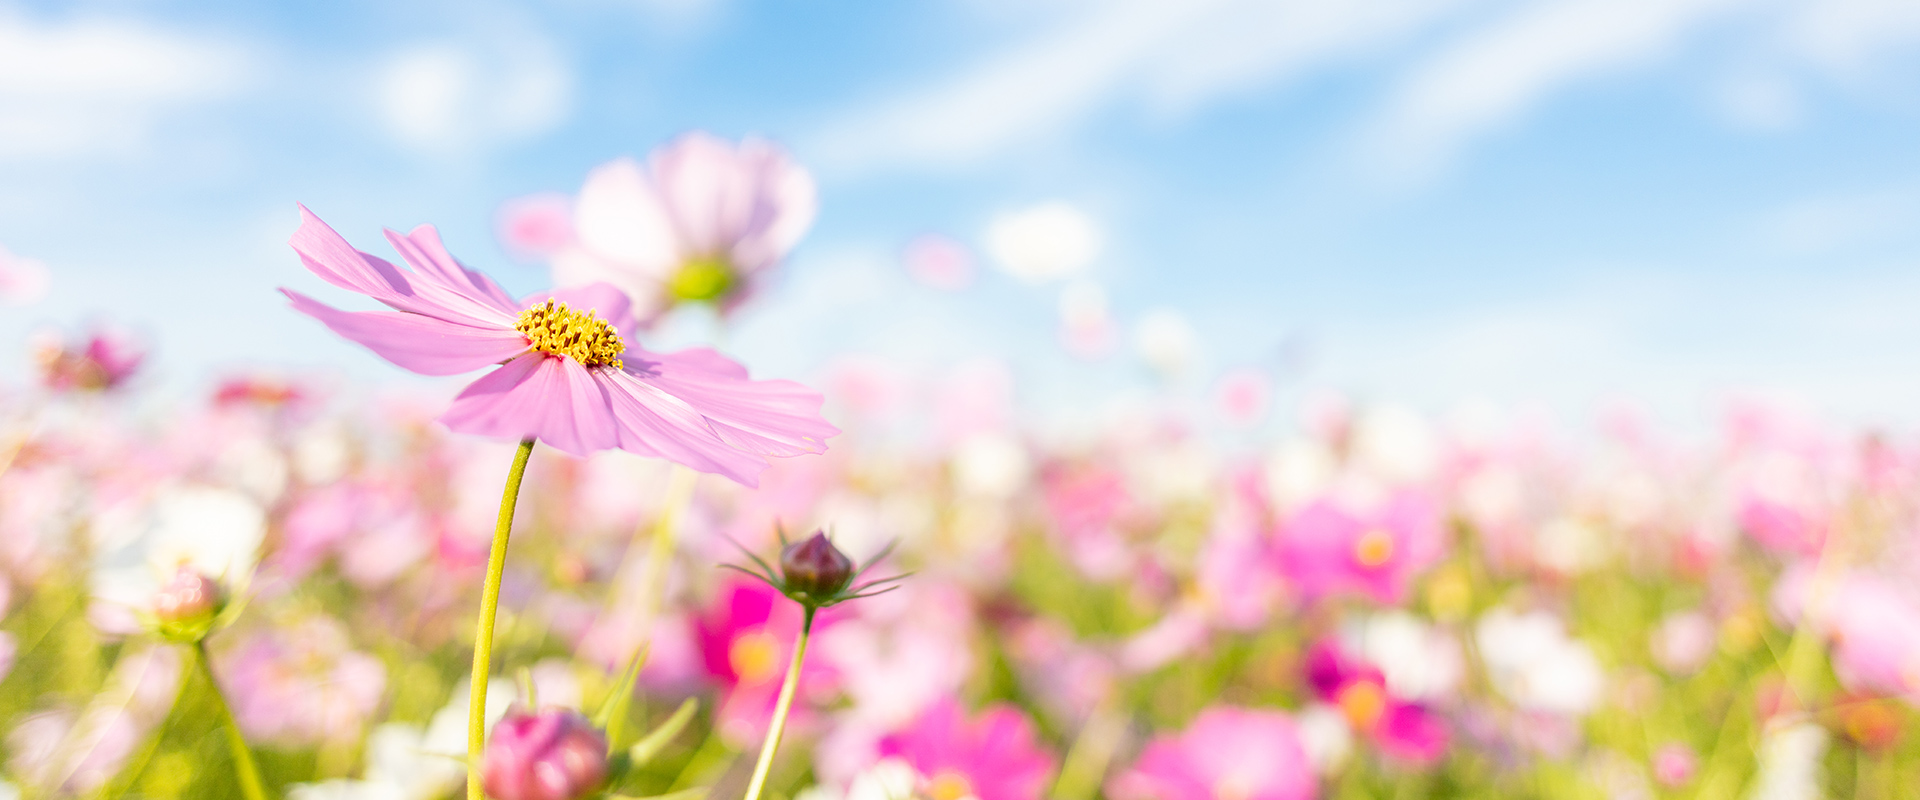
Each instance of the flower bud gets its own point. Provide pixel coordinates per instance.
(815, 567)
(186, 605)
(552, 754)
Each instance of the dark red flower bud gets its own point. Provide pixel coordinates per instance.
(553, 754)
(815, 567)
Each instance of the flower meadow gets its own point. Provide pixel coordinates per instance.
(602, 570)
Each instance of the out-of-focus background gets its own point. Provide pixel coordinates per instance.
(1559, 204)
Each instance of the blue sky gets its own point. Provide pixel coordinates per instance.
(1552, 202)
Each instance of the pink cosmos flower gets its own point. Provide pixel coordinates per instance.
(992, 757)
(1227, 753)
(745, 641)
(704, 220)
(106, 360)
(565, 376)
(1327, 549)
(1402, 730)
(302, 684)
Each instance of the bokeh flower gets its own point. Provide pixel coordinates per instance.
(1226, 753)
(703, 221)
(994, 756)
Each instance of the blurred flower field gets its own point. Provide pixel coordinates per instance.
(1160, 605)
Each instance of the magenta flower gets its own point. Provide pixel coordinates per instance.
(1402, 730)
(703, 221)
(745, 640)
(565, 375)
(1226, 754)
(993, 757)
(105, 361)
(1326, 549)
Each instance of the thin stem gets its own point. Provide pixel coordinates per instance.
(780, 710)
(249, 773)
(483, 629)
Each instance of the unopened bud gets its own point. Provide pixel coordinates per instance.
(186, 606)
(815, 567)
(552, 754)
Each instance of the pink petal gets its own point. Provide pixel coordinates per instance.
(770, 418)
(424, 251)
(415, 342)
(611, 303)
(708, 193)
(619, 216)
(329, 256)
(787, 204)
(655, 423)
(549, 398)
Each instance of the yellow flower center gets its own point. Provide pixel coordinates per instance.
(701, 280)
(754, 657)
(1363, 702)
(1374, 548)
(554, 328)
(949, 785)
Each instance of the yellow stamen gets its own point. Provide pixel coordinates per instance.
(949, 785)
(1363, 702)
(1374, 548)
(554, 328)
(754, 657)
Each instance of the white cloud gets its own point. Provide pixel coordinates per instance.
(445, 97)
(1492, 76)
(92, 87)
(1845, 35)
(1166, 56)
(1043, 243)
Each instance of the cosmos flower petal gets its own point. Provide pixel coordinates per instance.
(654, 421)
(619, 216)
(415, 342)
(771, 418)
(546, 397)
(423, 250)
(710, 196)
(789, 201)
(329, 256)
(609, 302)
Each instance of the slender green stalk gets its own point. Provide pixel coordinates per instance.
(483, 629)
(780, 710)
(243, 766)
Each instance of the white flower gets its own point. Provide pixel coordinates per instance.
(1325, 734)
(1420, 662)
(1534, 663)
(1790, 763)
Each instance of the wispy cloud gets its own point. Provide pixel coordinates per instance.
(1162, 56)
(1490, 77)
(459, 97)
(101, 87)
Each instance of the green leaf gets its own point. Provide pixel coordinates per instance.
(645, 749)
(612, 715)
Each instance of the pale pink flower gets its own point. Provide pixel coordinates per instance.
(23, 281)
(1227, 753)
(704, 220)
(105, 360)
(302, 684)
(993, 756)
(564, 376)
(940, 262)
(1327, 549)
(535, 227)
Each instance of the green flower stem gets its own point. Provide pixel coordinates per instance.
(780, 710)
(483, 629)
(652, 591)
(243, 766)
